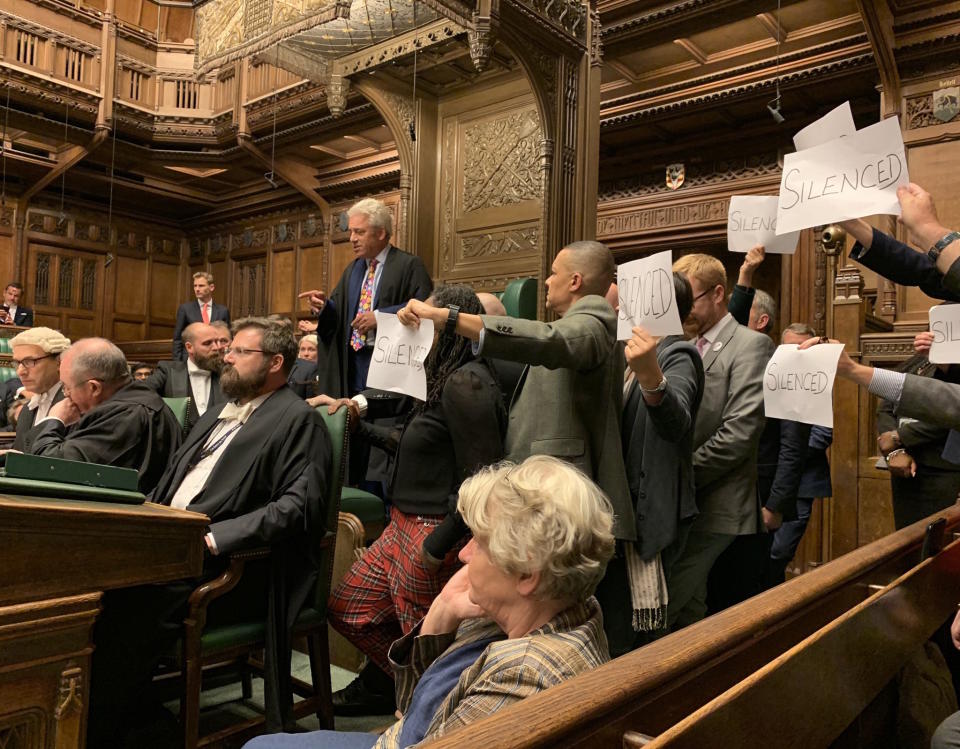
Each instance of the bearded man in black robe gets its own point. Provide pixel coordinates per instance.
(257, 467)
(107, 417)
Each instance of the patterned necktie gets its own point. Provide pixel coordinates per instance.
(205, 312)
(702, 345)
(357, 339)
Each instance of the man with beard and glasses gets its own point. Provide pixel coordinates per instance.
(105, 416)
(257, 466)
(199, 376)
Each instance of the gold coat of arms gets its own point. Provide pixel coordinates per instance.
(675, 175)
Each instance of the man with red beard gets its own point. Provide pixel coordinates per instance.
(197, 378)
(257, 466)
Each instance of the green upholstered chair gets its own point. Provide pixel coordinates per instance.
(368, 508)
(239, 642)
(181, 409)
(520, 298)
(7, 373)
(5, 347)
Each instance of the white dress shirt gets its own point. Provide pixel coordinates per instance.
(196, 478)
(209, 306)
(41, 403)
(199, 386)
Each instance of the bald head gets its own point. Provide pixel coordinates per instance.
(491, 304)
(92, 370)
(97, 358)
(594, 262)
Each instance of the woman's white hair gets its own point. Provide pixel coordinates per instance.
(311, 337)
(542, 516)
(376, 212)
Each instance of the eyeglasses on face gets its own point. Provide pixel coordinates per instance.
(240, 351)
(30, 362)
(67, 389)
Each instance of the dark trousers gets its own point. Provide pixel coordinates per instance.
(739, 572)
(931, 490)
(136, 627)
(786, 541)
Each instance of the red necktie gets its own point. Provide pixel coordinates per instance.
(205, 312)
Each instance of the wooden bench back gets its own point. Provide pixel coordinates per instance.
(656, 687)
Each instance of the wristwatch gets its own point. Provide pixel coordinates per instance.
(658, 389)
(451, 326)
(934, 252)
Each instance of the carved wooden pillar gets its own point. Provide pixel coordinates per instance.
(848, 402)
(20, 242)
(556, 72)
(398, 113)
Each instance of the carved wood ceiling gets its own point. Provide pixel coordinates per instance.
(686, 80)
(689, 81)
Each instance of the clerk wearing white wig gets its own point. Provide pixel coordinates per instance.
(36, 357)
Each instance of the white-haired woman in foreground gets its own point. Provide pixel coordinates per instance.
(519, 617)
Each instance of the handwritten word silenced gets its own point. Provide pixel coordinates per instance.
(872, 176)
(811, 381)
(647, 295)
(741, 222)
(945, 331)
(399, 353)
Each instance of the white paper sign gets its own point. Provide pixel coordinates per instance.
(845, 178)
(752, 220)
(945, 326)
(798, 385)
(647, 297)
(837, 123)
(398, 355)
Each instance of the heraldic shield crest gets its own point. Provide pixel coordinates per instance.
(946, 103)
(675, 175)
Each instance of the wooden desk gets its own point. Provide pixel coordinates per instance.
(56, 559)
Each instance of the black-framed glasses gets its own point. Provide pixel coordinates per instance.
(67, 389)
(240, 351)
(30, 362)
(704, 293)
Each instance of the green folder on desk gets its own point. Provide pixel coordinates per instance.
(35, 475)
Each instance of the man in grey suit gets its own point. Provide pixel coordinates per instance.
(568, 400)
(728, 428)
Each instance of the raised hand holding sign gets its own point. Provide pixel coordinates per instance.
(798, 384)
(648, 297)
(398, 356)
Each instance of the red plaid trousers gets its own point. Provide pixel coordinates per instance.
(389, 590)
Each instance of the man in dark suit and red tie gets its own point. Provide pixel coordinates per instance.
(382, 277)
(11, 313)
(203, 310)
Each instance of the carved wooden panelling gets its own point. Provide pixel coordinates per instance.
(22, 729)
(500, 161)
(500, 243)
(708, 211)
(491, 188)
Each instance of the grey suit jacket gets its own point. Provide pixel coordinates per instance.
(568, 401)
(930, 400)
(729, 424)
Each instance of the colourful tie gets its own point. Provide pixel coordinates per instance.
(357, 339)
(205, 312)
(702, 345)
